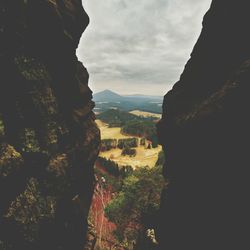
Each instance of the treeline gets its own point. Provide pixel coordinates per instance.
(129, 151)
(118, 118)
(128, 106)
(108, 144)
(130, 143)
(161, 159)
(136, 205)
(113, 168)
(136, 202)
(145, 129)
(130, 124)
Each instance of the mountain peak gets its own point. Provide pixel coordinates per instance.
(107, 96)
(107, 91)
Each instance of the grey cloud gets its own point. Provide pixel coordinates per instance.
(133, 45)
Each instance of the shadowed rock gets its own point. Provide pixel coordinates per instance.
(205, 133)
(48, 138)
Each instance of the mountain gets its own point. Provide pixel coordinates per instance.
(107, 96)
(110, 96)
(145, 96)
(108, 99)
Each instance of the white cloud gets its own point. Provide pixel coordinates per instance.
(140, 45)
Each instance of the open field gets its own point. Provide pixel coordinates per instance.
(144, 157)
(111, 133)
(145, 114)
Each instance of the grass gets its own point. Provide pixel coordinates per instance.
(144, 157)
(145, 114)
(111, 133)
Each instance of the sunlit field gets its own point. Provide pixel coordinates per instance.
(145, 114)
(144, 156)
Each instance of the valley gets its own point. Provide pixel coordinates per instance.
(108, 99)
(128, 171)
(144, 156)
(145, 114)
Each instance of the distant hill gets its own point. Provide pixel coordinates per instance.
(107, 96)
(108, 99)
(145, 96)
(110, 96)
(117, 118)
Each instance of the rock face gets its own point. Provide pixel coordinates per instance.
(205, 135)
(48, 138)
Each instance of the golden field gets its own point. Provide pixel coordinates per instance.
(144, 157)
(145, 114)
(111, 133)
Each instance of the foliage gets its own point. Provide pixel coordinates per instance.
(108, 99)
(137, 201)
(143, 141)
(108, 144)
(129, 142)
(114, 182)
(154, 140)
(113, 168)
(125, 171)
(118, 118)
(131, 124)
(161, 159)
(145, 129)
(110, 166)
(129, 151)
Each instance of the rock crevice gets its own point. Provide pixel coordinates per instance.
(205, 132)
(48, 138)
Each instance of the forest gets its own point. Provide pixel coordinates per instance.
(125, 204)
(118, 118)
(131, 125)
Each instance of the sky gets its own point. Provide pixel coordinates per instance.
(139, 46)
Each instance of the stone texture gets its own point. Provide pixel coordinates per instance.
(48, 138)
(205, 135)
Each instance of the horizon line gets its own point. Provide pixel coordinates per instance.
(132, 94)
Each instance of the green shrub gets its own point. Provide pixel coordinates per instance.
(129, 151)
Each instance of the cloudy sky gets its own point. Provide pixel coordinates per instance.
(139, 46)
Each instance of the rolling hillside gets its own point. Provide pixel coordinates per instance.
(107, 99)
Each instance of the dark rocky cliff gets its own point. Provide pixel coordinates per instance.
(205, 134)
(48, 138)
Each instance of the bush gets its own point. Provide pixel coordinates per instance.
(108, 144)
(130, 142)
(126, 171)
(110, 166)
(129, 151)
(161, 159)
(146, 129)
(113, 168)
(138, 199)
(117, 118)
(143, 142)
